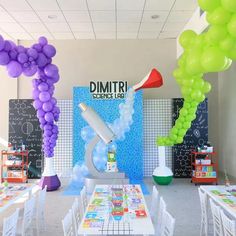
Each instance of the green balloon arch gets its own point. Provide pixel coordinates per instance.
(211, 51)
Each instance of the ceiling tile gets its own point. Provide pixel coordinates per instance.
(77, 16)
(11, 27)
(105, 35)
(133, 5)
(159, 5)
(34, 27)
(104, 27)
(19, 5)
(5, 17)
(73, 5)
(36, 35)
(148, 35)
(172, 26)
(168, 34)
(63, 35)
(84, 35)
(181, 5)
(45, 5)
(102, 5)
(162, 15)
(51, 16)
(151, 26)
(75, 26)
(25, 16)
(126, 27)
(126, 35)
(21, 35)
(180, 16)
(58, 27)
(129, 16)
(103, 16)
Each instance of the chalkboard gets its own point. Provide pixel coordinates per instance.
(197, 135)
(24, 127)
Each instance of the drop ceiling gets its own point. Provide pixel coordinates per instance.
(94, 19)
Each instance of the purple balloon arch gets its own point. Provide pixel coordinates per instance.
(37, 60)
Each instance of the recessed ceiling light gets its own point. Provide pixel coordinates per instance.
(52, 17)
(154, 17)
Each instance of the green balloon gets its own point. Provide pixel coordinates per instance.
(206, 87)
(213, 59)
(187, 125)
(186, 91)
(193, 63)
(199, 41)
(198, 83)
(216, 33)
(180, 73)
(227, 43)
(219, 16)
(174, 131)
(182, 60)
(181, 132)
(196, 94)
(229, 5)
(232, 26)
(187, 82)
(232, 53)
(183, 112)
(179, 140)
(227, 64)
(186, 37)
(208, 5)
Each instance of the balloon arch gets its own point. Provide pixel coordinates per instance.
(37, 60)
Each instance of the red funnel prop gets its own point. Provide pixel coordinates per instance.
(152, 80)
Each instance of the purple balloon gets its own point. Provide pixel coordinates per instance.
(49, 117)
(22, 57)
(47, 132)
(13, 54)
(47, 127)
(2, 42)
(35, 83)
(51, 70)
(13, 45)
(41, 126)
(37, 104)
(49, 50)
(43, 87)
(44, 96)
(32, 53)
(43, 40)
(20, 49)
(53, 101)
(29, 71)
(35, 94)
(37, 47)
(47, 106)
(42, 120)
(40, 113)
(41, 60)
(14, 69)
(4, 58)
(7, 46)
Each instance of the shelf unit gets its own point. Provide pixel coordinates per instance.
(11, 171)
(198, 167)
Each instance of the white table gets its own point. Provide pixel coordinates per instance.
(222, 198)
(17, 195)
(129, 222)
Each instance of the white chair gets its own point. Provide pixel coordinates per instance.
(204, 215)
(228, 225)
(10, 224)
(83, 200)
(76, 214)
(67, 224)
(26, 224)
(39, 211)
(160, 216)
(168, 225)
(217, 223)
(154, 205)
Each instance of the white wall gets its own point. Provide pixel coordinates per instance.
(85, 60)
(227, 120)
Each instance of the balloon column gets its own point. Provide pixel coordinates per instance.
(211, 51)
(30, 61)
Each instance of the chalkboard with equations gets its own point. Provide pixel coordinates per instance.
(24, 127)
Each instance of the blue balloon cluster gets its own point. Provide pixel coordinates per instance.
(120, 126)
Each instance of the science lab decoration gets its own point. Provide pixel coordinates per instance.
(119, 114)
(211, 51)
(30, 61)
